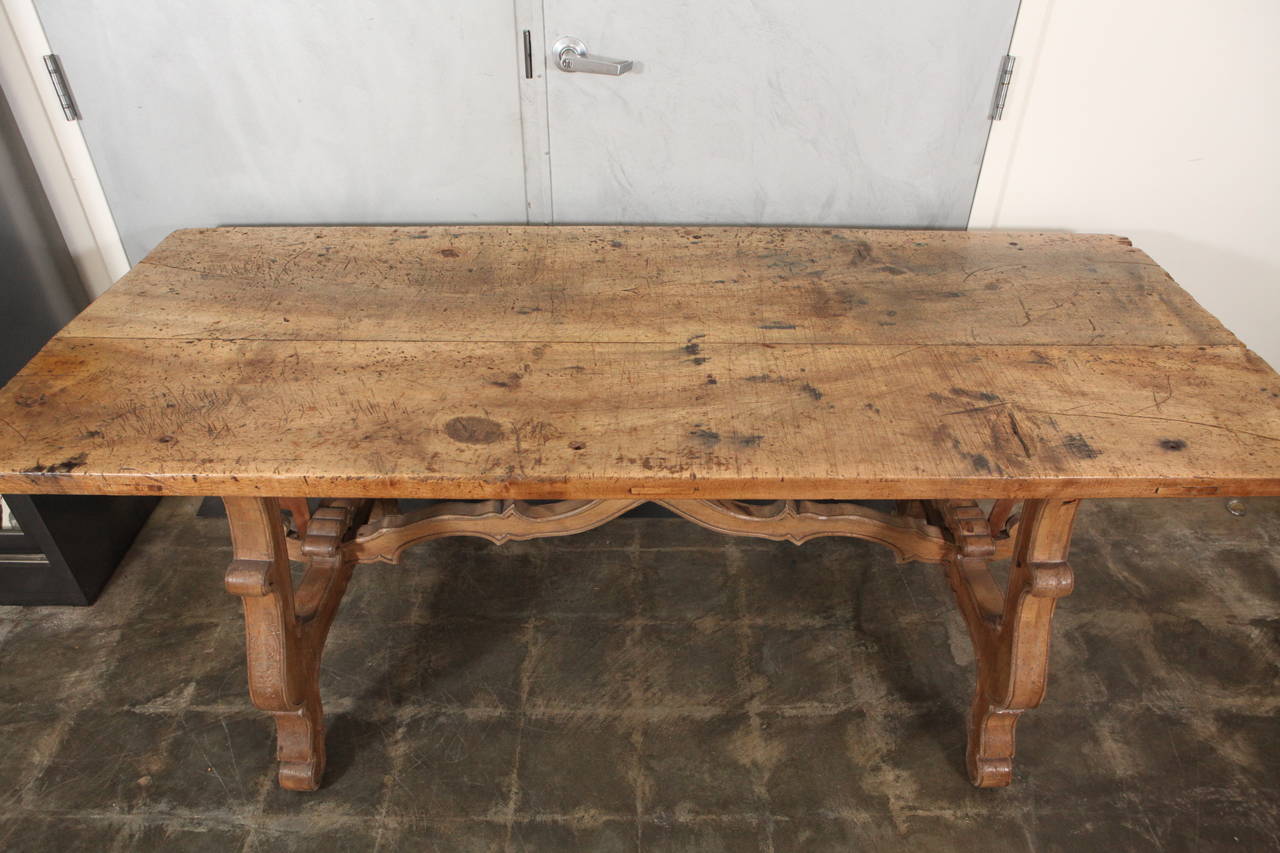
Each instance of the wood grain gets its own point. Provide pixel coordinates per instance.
(626, 285)
(618, 363)
(584, 421)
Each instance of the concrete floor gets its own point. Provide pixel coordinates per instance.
(652, 685)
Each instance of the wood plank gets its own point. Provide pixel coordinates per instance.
(483, 420)
(626, 284)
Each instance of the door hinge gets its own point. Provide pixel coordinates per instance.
(54, 66)
(1002, 87)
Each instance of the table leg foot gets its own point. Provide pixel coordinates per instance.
(286, 628)
(1010, 631)
(989, 756)
(300, 746)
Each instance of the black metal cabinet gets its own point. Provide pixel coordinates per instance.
(69, 545)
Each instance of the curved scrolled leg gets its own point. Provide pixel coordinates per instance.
(1010, 633)
(285, 630)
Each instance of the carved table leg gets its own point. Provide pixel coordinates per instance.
(285, 630)
(1010, 633)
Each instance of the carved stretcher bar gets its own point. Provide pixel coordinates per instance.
(543, 381)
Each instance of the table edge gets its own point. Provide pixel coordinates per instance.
(671, 488)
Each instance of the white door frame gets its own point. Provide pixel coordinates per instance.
(1029, 30)
(58, 150)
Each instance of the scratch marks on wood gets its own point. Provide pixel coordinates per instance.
(972, 409)
(1128, 415)
(1156, 399)
(1017, 433)
(21, 435)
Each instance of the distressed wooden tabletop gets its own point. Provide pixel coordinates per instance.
(608, 362)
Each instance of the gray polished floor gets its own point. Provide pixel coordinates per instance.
(651, 685)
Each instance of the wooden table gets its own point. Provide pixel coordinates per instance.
(542, 381)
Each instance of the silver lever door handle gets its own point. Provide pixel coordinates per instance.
(571, 55)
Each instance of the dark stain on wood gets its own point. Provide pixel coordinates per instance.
(449, 253)
(511, 383)
(982, 396)
(1173, 444)
(66, 466)
(473, 430)
(778, 324)
(747, 440)
(27, 401)
(1077, 445)
(861, 252)
(707, 436)
(806, 387)
(692, 348)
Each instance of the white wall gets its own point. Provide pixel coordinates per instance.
(1158, 120)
